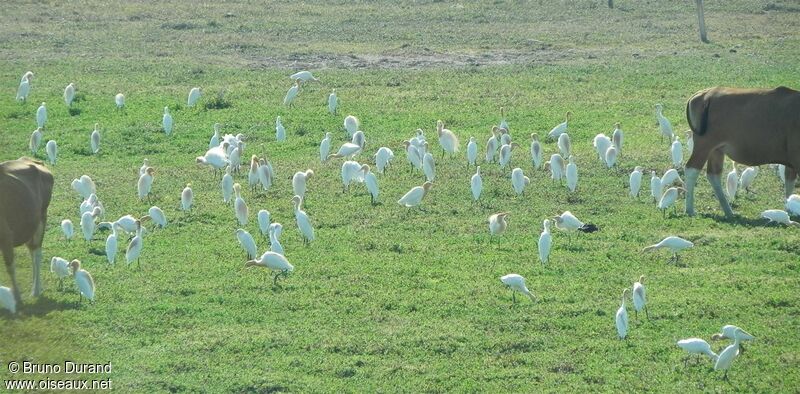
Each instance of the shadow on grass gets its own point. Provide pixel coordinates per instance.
(738, 220)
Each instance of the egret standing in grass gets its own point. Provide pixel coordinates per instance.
(492, 145)
(111, 243)
(69, 94)
(556, 165)
(601, 144)
(729, 354)
(303, 222)
(351, 125)
(676, 152)
(560, 128)
(673, 243)
(274, 262)
(7, 299)
(622, 317)
(274, 232)
(656, 186)
(87, 223)
(325, 147)
(545, 242)
(793, 204)
(447, 139)
(429, 167)
(41, 116)
(696, 346)
(291, 94)
(371, 182)
(166, 122)
(778, 216)
(247, 242)
(516, 283)
(663, 124)
(519, 181)
(186, 197)
(194, 96)
(747, 178)
(299, 182)
(119, 100)
(157, 215)
(239, 205)
(414, 196)
(611, 156)
(280, 131)
(572, 174)
(732, 182)
(61, 268)
(536, 151)
(383, 158)
(35, 141)
(134, 249)
(472, 152)
(145, 183)
(52, 151)
(351, 172)
(668, 199)
(24, 87)
(728, 331)
(564, 145)
(333, 102)
(94, 139)
(303, 76)
(639, 297)
(263, 217)
(616, 137)
(83, 280)
(67, 228)
(476, 184)
(498, 223)
(635, 182)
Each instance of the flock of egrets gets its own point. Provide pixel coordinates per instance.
(225, 154)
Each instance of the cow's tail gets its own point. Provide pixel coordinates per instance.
(697, 112)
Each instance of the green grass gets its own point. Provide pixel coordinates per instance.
(386, 299)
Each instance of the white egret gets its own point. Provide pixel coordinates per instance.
(247, 242)
(447, 139)
(670, 177)
(119, 100)
(60, 267)
(728, 331)
(51, 148)
(414, 196)
(572, 174)
(516, 283)
(143, 168)
(371, 182)
(696, 346)
(621, 317)
(498, 223)
(303, 222)
(7, 299)
(561, 128)
(611, 156)
(412, 155)
(303, 76)
(351, 125)
(186, 197)
(265, 174)
(84, 186)
(84, 281)
(24, 87)
(429, 167)
(194, 96)
(635, 182)
(569, 223)
(215, 138)
(676, 152)
(663, 124)
(41, 116)
(299, 182)
(274, 231)
(747, 178)
(263, 217)
(35, 141)
(564, 144)
(94, 139)
(325, 147)
(292, 93)
(235, 158)
(145, 183)
(668, 199)
(601, 144)
(536, 151)
(351, 172)
(476, 184)
(333, 102)
(472, 151)
(492, 145)
(689, 142)
(87, 223)
(227, 182)
(673, 243)
(274, 262)
(729, 354)
(616, 137)
(640, 297)
(214, 158)
(732, 182)
(348, 150)
(505, 154)
(280, 131)
(239, 205)
(166, 122)
(519, 181)
(67, 228)
(793, 204)
(111, 243)
(69, 94)
(157, 215)
(383, 158)
(134, 249)
(778, 216)
(545, 242)
(358, 138)
(556, 166)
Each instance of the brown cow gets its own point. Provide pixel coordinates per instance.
(751, 126)
(26, 187)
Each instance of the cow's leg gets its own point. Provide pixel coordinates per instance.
(8, 256)
(716, 160)
(693, 166)
(35, 248)
(791, 177)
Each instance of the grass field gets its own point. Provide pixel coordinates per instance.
(386, 299)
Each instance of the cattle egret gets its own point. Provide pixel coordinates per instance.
(274, 262)
(35, 141)
(476, 184)
(676, 152)
(351, 125)
(412, 155)
(729, 354)
(348, 150)
(280, 131)
(299, 182)
(505, 154)
(69, 94)
(227, 184)
(41, 116)
(371, 182)
(516, 283)
(622, 317)
(351, 172)
(519, 180)
(7, 299)
(158, 217)
(429, 167)
(90, 203)
(247, 242)
(194, 95)
(111, 243)
(67, 228)
(556, 165)
(84, 281)
(732, 182)
(263, 217)
(87, 223)
(601, 144)
(358, 138)
(635, 182)
(673, 243)
(235, 158)
(670, 177)
(616, 137)
(265, 174)
(52, 151)
(186, 197)
(492, 145)
(145, 183)
(119, 100)
(252, 179)
(611, 156)
(696, 346)
(239, 205)
(545, 242)
(793, 204)
(166, 122)
(303, 222)
(747, 178)
(564, 144)
(383, 158)
(292, 93)
(94, 139)
(663, 124)
(572, 174)
(214, 141)
(84, 186)
(333, 102)
(472, 151)
(415, 195)
(639, 297)
(274, 231)
(728, 333)
(561, 128)
(214, 158)
(447, 139)
(498, 223)
(536, 151)
(303, 76)
(505, 137)
(60, 267)
(143, 168)
(134, 249)
(24, 86)
(778, 216)
(668, 199)
(689, 142)
(569, 223)
(325, 147)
